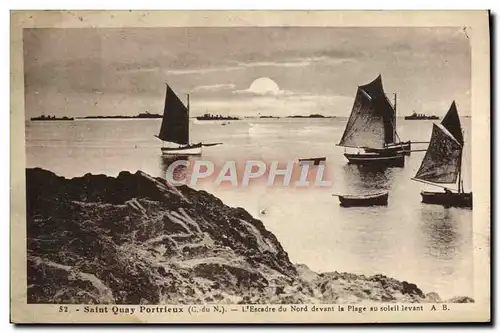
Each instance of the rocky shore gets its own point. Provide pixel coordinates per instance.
(134, 239)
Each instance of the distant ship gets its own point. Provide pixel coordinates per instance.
(420, 116)
(46, 118)
(148, 115)
(208, 116)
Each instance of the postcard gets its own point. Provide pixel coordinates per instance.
(250, 166)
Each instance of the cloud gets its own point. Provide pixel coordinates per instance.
(290, 63)
(139, 70)
(264, 93)
(201, 70)
(303, 63)
(298, 62)
(215, 87)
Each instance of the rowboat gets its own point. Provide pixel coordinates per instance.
(364, 200)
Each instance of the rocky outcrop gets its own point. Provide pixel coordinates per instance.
(134, 239)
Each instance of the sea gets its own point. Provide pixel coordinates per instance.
(428, 245)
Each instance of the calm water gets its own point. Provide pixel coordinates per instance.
(424, 244)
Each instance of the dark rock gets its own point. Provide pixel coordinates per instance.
(141, 238)
(460, 299)
(412, 289)
(433, 297)
(135, 239)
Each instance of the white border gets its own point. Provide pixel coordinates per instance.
(185, 4)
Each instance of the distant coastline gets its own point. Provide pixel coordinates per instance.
(314, 115)
(218, 117)
(145, 115)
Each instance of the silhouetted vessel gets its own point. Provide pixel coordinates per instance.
(372, 128)
(48, 118)
(147, 115)
(442, 163)
(420, 116)
(174, 128)
(208, 116)
(269, 117)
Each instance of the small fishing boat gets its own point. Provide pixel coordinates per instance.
(389, 159)
(448, 199)
(442, 164)
(174, 130)
(372, 128)
(364, 200)
(313, 161)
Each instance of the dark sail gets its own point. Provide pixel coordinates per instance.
(371, 124)
(441, 163)
(365, 128)
(175, 124)
(452, 123)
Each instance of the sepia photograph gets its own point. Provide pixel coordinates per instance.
(246, 172)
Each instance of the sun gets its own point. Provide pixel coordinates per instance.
(264, 85)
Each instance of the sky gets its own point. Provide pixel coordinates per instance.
(123, 71)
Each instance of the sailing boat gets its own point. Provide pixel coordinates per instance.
(175, 127)
(372, 127)
(442, 163)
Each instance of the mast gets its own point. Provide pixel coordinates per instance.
(187, 111)
(452, 123)
(460, 188)
(460, 181)
(394, 125)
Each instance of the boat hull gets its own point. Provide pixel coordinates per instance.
(364, 201)
(451, 199)
(195, 150)
(373, 159)
(402, 147)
